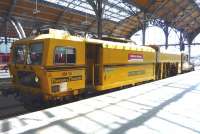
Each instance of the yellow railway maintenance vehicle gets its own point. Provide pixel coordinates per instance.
(56, 65)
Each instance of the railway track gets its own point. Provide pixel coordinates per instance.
(11, 106)
(5, 86)
(5, 83)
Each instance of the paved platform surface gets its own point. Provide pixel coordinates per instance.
(166, 106)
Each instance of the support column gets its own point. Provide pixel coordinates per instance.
(6, 38)
(99, 18)
(143, 35)
(182, 45)
(189, 52)
(6, 43)
(98, 9)
(144, 30)
(189, 48)
(166, 31)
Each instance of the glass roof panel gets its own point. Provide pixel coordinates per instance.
(115, 10)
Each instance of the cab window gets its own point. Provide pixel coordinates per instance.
(35, 54)
(65, 55)
(19, 53)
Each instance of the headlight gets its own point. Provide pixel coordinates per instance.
(55, 88)
(36, 79)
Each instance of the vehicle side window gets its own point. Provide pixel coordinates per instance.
(35, 54)
(19, 54)
(65, 55)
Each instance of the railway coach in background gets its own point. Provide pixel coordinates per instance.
(4, 58)
(56, 65)
(186, 66)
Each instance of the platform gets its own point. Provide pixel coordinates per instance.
(166, 106)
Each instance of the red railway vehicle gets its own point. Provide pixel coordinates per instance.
(4, 58)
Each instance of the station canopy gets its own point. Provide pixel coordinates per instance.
(121, 18)
(115, 10)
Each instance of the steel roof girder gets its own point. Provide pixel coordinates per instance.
(11, 9)
(93, 5)
(62, 14)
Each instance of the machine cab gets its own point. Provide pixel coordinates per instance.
(50, 64)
